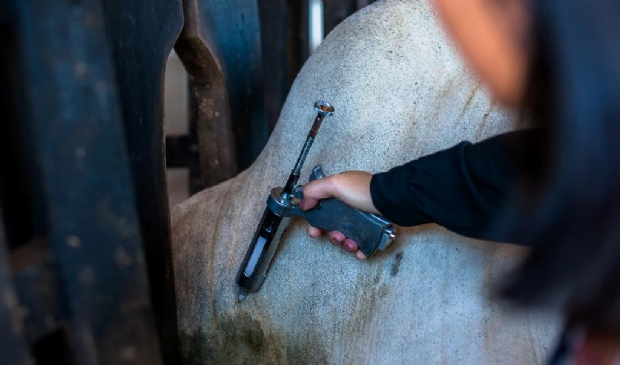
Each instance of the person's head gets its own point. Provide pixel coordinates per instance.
(559, 61)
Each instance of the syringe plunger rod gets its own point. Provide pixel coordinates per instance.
(323, 109)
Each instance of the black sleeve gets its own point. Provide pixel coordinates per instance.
(464, 188)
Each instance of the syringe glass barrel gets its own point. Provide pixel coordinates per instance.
(264, 244)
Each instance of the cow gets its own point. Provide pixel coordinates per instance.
(400, 92)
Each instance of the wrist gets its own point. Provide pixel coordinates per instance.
(353, 187)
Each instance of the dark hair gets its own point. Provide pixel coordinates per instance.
(574, 220)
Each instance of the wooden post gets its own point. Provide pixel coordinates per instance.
(142, 34)
(220, 47)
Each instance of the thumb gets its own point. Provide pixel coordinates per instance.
(316, 190)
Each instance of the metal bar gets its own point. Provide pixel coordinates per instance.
(73, 127)
(142, 34)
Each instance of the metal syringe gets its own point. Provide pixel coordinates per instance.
(254, 268)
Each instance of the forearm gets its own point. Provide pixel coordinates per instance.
(464, 188)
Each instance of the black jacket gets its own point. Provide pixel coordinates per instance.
(468, 188)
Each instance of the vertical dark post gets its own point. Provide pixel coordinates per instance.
(335, 11)
(13, 348)
(285, 49)
(142, 34)
(13, 342)
(19, 224)
(220, 47)
(338, 10)
(300, 13)
(78, 269)
(273, 24)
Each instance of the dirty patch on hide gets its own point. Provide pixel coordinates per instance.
(236, 339)
(396, 264)
(371, 291)
(308, 350)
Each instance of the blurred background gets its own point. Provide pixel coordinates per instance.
(114, 111)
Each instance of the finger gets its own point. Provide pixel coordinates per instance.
(336, 238)
(320, 189)
(308, 203)
(349, 245)
(314, 232)
(360, 255)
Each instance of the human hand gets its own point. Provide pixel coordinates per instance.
(353, 188)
